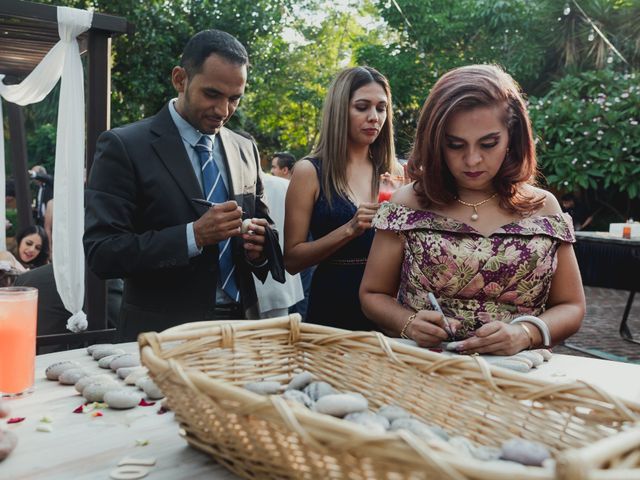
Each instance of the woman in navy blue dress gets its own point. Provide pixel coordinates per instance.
(333, 195)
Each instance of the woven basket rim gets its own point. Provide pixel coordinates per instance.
(403, 445)
(235, 327)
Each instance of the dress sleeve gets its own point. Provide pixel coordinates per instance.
(388, 217)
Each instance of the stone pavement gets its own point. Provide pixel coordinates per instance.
(600, 326)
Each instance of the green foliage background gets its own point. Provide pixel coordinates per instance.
(551, 48)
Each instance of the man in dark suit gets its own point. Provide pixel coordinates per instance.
(141, 222)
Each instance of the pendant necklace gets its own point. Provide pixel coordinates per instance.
(475, 206)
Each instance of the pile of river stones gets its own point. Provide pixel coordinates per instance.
(107, 388)
(521, 362)
(318, 396)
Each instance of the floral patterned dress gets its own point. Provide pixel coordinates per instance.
(476, 279)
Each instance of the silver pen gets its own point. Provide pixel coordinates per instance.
(436, 307)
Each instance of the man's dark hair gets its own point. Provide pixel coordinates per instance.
(208, 42)
(285, 160)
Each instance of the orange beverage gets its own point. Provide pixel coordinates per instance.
(388, 184)
(384, 196)
(18, 318)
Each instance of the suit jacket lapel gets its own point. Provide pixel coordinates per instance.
(233, 162)
(170, 149)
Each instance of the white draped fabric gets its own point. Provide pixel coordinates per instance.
(63, 61)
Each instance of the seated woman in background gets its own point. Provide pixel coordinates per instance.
(473, 229)
(333, 194)
(32, 247)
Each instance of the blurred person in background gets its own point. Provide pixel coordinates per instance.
(282, 165)
(32, 247)
(44, 193)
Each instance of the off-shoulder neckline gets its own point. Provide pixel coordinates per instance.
(469, 228)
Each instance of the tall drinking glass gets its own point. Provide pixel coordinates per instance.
(18, 319)
(388, 184)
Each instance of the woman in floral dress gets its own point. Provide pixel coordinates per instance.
(473, 229)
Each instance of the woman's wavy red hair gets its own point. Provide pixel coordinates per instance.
(466, 88)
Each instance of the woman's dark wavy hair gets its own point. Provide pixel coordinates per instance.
(462, 89)
(43, 257)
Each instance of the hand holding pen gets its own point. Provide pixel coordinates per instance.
(218, 222)
(436, 307)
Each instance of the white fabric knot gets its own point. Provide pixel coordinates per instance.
(77, 322)
(72, 22)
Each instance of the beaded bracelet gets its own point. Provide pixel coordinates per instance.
(403, 333)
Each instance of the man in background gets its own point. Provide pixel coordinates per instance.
(274, 299)
(282, 165)
(44, 181)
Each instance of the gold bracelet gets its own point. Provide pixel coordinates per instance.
(528, 332)
(403, 333)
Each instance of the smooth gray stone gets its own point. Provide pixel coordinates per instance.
(133, 377)
(525, 452)
(54, 370)
(546, 354)
(92, 348)
(122, 398)
(392, 412)
(89, 379)
(486, 454)
(94, 392)
(99, 353)
(72, 375)
(105, 362)
(534, 357)
(126, 360)
(375, 423)
(316, 390)
(152, 390)
(264, 388)
(124, 372)
(298, 397)
(300, 380)
(340, 404)
(418, 428)
(140, 380)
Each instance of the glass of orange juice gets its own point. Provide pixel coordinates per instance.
(18, 319)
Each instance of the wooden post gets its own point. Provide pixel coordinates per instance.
(98, 109)
(19, 165)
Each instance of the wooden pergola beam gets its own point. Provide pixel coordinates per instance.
(19, 165)
(48, 13)
(98, 121)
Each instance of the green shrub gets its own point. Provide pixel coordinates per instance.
(12, 215)
(587, 132)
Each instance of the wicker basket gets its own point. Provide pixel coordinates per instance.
(202, 366)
